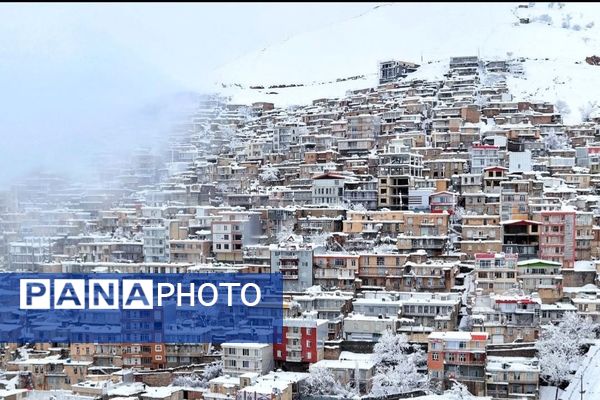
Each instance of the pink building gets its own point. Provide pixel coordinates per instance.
(558, 237)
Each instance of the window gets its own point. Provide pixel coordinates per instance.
(246, 352)
(435, 356)
(309, 355)
(158, 347)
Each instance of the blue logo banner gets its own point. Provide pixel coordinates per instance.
(141, 308)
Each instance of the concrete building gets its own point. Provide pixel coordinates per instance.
(242, 358)
(460, 356)
(496, 273)
(295, 262)
(303, 341)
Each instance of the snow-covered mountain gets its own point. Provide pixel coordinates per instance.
(553, 40)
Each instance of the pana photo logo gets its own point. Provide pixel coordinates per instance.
(141, 308)
(103, 294)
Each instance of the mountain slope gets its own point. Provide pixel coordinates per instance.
(556, 37)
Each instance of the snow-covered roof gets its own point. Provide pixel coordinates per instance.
(346, 364)
(457, 335)
(520, 364)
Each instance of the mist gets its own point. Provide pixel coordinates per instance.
(79, 79)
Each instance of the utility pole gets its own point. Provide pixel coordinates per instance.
(581, 391)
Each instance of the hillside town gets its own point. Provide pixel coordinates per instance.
(437, 239)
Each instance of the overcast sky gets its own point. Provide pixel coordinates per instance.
(70, 72)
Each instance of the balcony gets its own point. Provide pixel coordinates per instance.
(293, 335)
(293, 347)
(293, 357)
(290, 276)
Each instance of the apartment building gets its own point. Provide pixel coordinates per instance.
(303, 341)
(496, 272)
(483, 156)
(295, 262)
(508, 317)
(335, 271)
(51, 372)
(242, 358)
(541, 276)
(367, 328)
(233, 231)
(330, 306)
(558, 236)
(458, 355)
(396, 171)
(521, 237)
(512, 377)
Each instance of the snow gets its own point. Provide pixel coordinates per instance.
(522, 364)
(552, 43)
(160, 392)
(54, 395)
(548, 392)
(557, 79)
(463, 336)
(584, 265)
(591, 384)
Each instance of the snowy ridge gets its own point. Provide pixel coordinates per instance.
(553, 38)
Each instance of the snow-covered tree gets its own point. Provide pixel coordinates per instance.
(390, 349)
(559, 347)
(562, 107)
(466, 324)
(320, 239)
(211, 371)
(587, 109)
(458, 391)
(567, 21)
(397, 363)
(552, 141)
(358, 207)
(322, 382)
(269, 174)
(481, 100)
(544, 18)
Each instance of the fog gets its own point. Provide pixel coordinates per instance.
(77, 79)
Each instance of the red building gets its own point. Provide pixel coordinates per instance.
(303, 341)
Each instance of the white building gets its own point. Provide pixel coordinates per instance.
(287, 134)
(295, 262)
(242, 358)
(156, 243)
(328, 188)
(519, 161)
(483, 156)
(358, 327)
